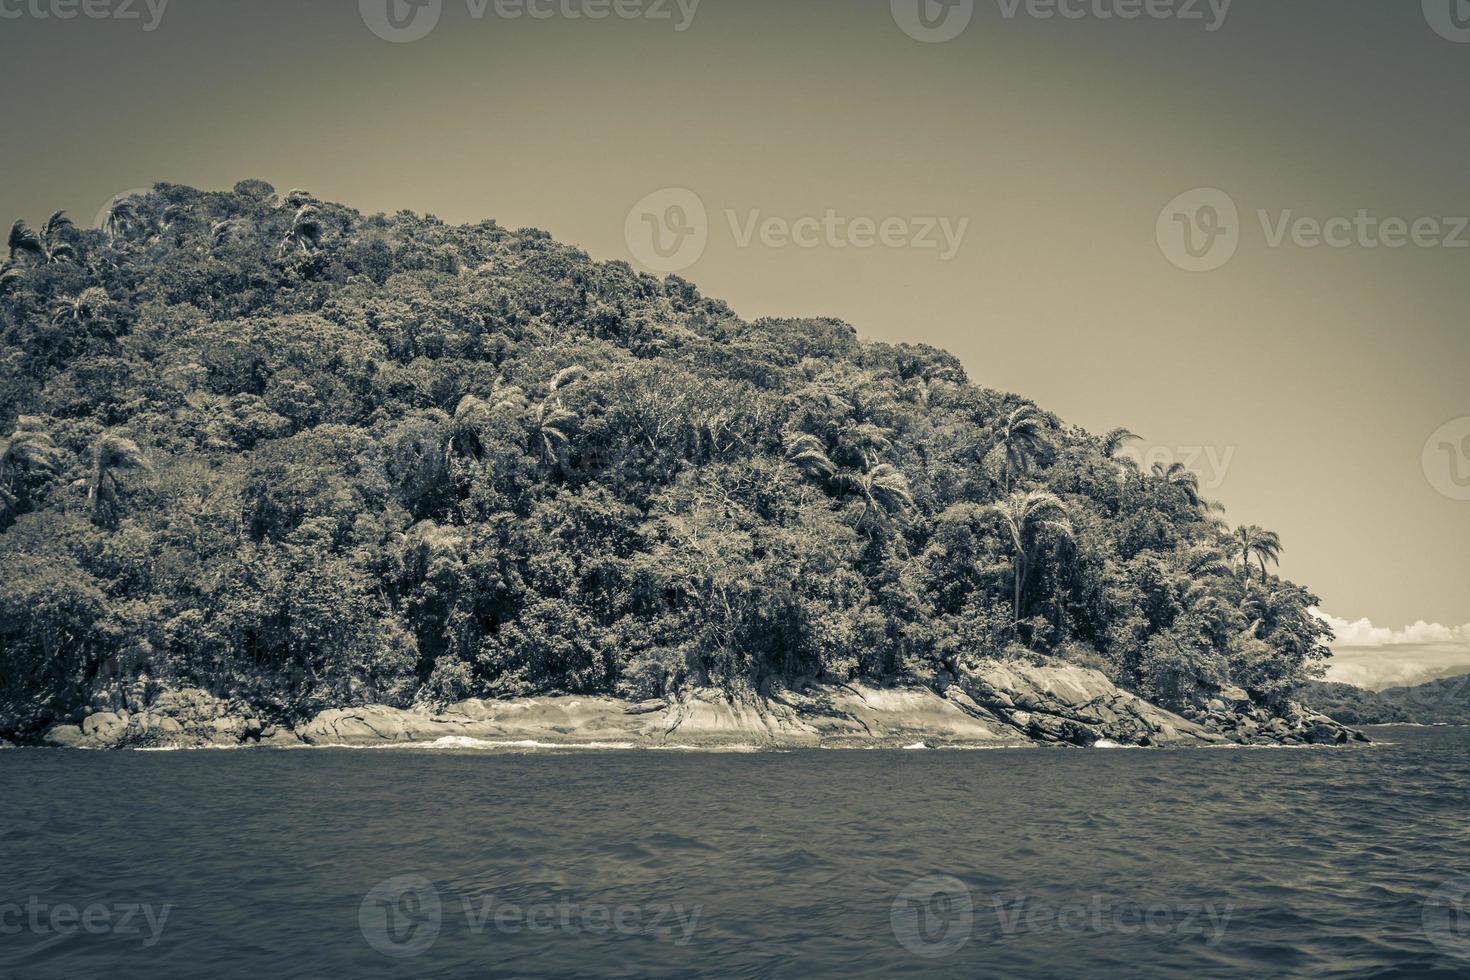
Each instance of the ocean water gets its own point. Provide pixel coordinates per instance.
(527, 862)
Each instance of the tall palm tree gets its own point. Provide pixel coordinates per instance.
(1255, 542)
(44, 247)
(883, 493)
(25, 452)
(112, 456)
(1025, 517)
(1019, 440)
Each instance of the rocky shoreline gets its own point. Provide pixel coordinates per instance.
(995, 704)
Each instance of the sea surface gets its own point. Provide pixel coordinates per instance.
(528, 862)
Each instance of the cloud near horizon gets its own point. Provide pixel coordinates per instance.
(1377, 657)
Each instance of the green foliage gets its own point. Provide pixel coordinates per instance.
(271, 446)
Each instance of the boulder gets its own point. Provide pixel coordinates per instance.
(67, 736)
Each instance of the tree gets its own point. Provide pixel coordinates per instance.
(550, 420)
(27, 453)
(80, 308)
(1020, 439)
(882, 493)
(1026, 517)
(122, 219)
(808, 455)
(1187, 481)
(112, 456)
(1252, 542)
(306, 230)
(45, 247)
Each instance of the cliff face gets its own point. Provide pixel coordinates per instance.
(994, 705)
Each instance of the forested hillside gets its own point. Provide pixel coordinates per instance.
(267, 445)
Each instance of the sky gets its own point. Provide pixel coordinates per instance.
(1237, 228)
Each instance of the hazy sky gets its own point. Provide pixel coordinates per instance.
(1302, 382)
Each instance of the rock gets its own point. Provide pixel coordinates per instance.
(68, 736)
(1325, 734)
(1216, 706)
(104, 726)
(1234, 695)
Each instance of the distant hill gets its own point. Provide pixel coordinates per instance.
(1443, 701)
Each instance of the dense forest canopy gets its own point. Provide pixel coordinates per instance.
(270, 446)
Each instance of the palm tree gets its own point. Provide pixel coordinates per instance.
(1025, 516)
(1178, 475)
(9, 276)
(467, 429)
(882, 491)
(80, 308)
(1115, 440)
(306, 229)
(1255, 542)
(113, 455)
(550, 419)
(45, 247)
(26, 451)
(122, 218)
(808, 455)
(230, 229)
(1019, 441)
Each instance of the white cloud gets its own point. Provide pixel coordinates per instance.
(1377, 657)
